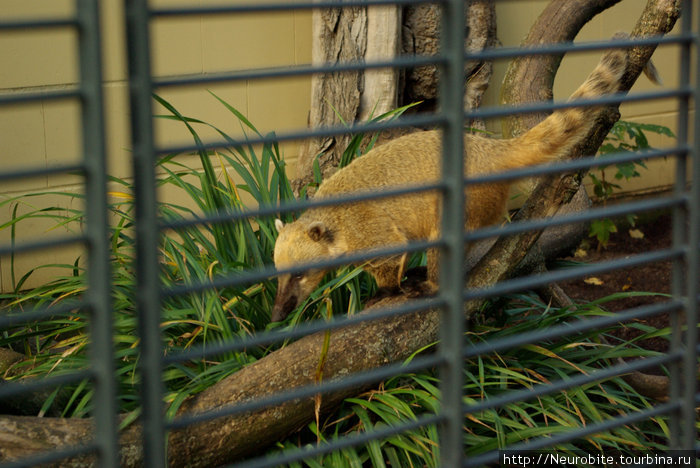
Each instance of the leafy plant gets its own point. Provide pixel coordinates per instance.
(408, 396)
(623, 137)
(212, 183)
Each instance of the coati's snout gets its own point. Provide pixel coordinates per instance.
(297, 244)
(287, 298)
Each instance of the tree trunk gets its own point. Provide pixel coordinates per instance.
(380, 89)
(339, 35)
(353, 349)
(375, 34)
(421, 36)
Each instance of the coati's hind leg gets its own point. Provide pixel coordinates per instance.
(430, 285)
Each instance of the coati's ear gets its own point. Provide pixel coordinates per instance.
(317, 231)
(279, 224)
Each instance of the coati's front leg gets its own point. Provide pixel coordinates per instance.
(388, 273)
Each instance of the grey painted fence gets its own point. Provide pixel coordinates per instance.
(684, 202)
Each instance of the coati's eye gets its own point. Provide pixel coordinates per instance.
(298, 276)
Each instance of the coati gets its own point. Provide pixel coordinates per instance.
(412, 160)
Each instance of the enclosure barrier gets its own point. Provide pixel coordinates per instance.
(682, 358)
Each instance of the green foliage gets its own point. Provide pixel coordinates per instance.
(407, 397)
(623, 137)
(214, 182)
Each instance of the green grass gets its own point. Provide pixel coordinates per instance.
(215, 182)
(406, 397)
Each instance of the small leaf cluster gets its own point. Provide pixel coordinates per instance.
(624, 137)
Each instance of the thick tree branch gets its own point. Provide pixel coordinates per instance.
(658, 18)
(530, 79)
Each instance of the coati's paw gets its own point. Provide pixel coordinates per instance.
(383, 293)
(422, 289)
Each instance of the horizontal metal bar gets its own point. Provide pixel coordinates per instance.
(48, 458)
(542, 442)
(260, 7)
(398, 62)
(297, 205)
(34, 96)
(565, 329)
(473, 235)
(296, 70)
(10, 388)
(301, 330)
(39, 313)
(570, 382)
(407, 121)
(423, 120)
(496, 53)
(290, 456)
(578, 217)
(261, 274)
(78, 168)
(572, 165)
(57, 242)
(308, 391)
(48, 23)
(519, 284)
(545, 106)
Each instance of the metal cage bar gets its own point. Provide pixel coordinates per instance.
(450, 118)
(452, 276)
(97, 298)
(99, 281)
(147, 236)
(683, 305)
(689, 383)
(679, 240)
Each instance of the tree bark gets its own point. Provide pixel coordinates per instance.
(380, 89)
(353, 349)
(339, 35)
(421, 36)
(374, 34)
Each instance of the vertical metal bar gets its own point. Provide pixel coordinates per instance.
(689, 384)
(147, 237)
(451, 261)
(98, 293)
(679, 237)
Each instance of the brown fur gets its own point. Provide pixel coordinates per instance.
(414, 160)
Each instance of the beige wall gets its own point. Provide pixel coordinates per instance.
(47, 133)
(514, 20)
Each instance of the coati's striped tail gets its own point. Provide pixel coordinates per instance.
(557, 134)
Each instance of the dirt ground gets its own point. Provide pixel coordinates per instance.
(653, 277)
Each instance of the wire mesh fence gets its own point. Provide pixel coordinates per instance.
(159, 428)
